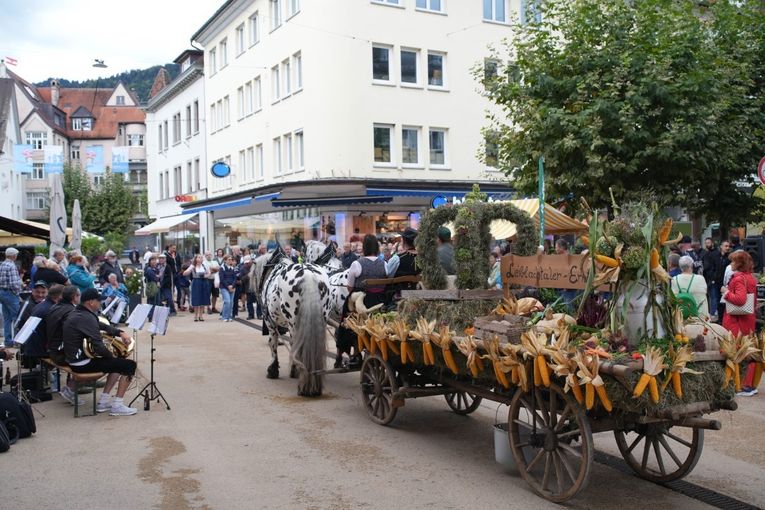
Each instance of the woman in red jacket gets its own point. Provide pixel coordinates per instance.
(740, 286)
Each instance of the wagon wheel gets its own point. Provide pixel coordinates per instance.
(462, 402)
(551, 441)
(378, 384)
(679, 455)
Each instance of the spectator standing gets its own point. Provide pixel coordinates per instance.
(51, 273)
(495, 277)
(199, 273)
(109, 266)
(184, 284)
(227, 287)
(742, 285)
(445, 250)
(59, 257)
(78, 275)
(723, 258)
(165, 273)
(711, 262)
(213, 267)
(146, 256)
(174, 264)
(673, 264)
(348, 255)
(134, 256)
(690, 282)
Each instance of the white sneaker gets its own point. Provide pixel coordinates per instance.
(68, 395)
(104, 406)
(120, 409)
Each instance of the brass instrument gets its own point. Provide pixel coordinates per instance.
(116, 346)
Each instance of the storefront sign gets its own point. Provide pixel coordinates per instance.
(546, 271)
(185, 198)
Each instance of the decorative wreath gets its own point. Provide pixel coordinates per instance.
(472, 238)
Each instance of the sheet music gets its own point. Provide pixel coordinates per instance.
(109, 307)
(138, 317)
(159, 320)
(117, 315)
(29, 326)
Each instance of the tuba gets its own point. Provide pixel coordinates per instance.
(116, 346)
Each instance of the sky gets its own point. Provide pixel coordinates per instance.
(61, 38)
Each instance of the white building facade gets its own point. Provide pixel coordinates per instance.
(176, 157)
(11, 182)
(376, 101)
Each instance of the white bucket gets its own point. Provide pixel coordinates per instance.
(503, 454)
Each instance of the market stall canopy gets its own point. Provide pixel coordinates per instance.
(556, 222)
(28, 233)
(163, 225)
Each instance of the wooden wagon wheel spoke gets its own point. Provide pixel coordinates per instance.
(570, 470)
(635, 442)
(646, 451)
(570, 433)
(659, 458)
(546, 476)
(535, 460)
(378, 385)
(562, 419)
(532, 410)
(570, 450)
(553, 410)
(678, 439)
(669, 450)
(541, 404)
(558, 471)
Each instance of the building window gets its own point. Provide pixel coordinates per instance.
(188, 121)
(189, 181)
(213, 124)
(37, 139)
(120, 100)
(491, 155)
(226, 112)
(159, 132)
(438, 147)
(167, 183)
(196, 116)
(219, 112)
(213, 62)
(38, 172)
(240, 39)
(275, 86)
(294, 7)
(250, 164)
(276, 14)
(74, 152)
(82, 124)
(254, 29)
(258, 94)
(381, 63)
(490, 70)
(495, 10)
(167, 135)
(436, 69)
(98, 180)
(277, 156)
(240, 102)
(298, 64)
(286, 77)
(177, 128)
(178, 180)
(223, 53)
(410, 140)
(161, 185)
(387, 2)
(248, 102)
(120, 129)
(260, 163)
(242, 165)
(288, 156)
(409, 60)
(37, 200)
(530, 13)
(135, 140)
(382, 143)
(300, 149)
(197, 183)
(430, 5)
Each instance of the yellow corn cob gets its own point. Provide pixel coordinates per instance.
(427, 349)
(653, 387)
(449, 359)
(607, 261)
(603, 396)
(577, 391)
(677, 385)
(404, 352)
(665, 230)
(654, 258)
(544, 370)
(383, 345)
(589, 392)
(392, 346)
(641, 385)
(501, 377)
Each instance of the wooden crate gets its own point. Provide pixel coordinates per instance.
(507, 328)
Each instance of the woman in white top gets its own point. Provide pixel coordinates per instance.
(199, 273)
(693, 284)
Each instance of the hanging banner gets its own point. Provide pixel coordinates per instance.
(22, 158)
(54, 159)
(94, 159)
(546, 271)
(120, 160)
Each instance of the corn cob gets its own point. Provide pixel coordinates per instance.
(653, 387)
(654, 258)
(589, 391)
(544, 370)
(404, 352)
(603, 396)
(641, 385)
(664, 231)
(607, 261)
(677, 385)
(577, 391)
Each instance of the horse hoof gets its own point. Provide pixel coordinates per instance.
(293, 372)
(272, 372)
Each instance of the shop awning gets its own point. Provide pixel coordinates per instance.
(330, 201)
(24, 228)
(556, 222)
(163, 225)
(218, 207)
(407, 192)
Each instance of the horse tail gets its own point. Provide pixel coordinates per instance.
(308, 337)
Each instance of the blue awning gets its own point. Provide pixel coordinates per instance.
(404, 192)
(269, 196)
(218, 207)
(319, 202)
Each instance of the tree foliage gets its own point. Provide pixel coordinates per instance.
(663, 94)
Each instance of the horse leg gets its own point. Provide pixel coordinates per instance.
(293, 371)
(273, 343)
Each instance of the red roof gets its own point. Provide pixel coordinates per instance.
(107, 118)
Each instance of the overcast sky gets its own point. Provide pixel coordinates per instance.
(61, 38)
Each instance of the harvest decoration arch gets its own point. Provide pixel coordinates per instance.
(472, 237)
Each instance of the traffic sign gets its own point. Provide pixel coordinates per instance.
(761, 170)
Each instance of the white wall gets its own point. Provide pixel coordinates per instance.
(11, 183)
(339, 104)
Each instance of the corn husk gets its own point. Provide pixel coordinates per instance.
(653, 361)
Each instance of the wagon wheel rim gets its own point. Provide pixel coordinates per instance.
(555, 455)
(378, 384)
(462, 402)
(658, 453)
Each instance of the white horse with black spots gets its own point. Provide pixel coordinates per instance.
(298, 298)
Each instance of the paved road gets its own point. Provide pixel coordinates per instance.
(235, 439)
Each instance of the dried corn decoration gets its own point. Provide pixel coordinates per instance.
(512, 306)
(653, 365)
(588, 366)
(378, 333)
(424, 332)
(564, 366)
(400, 333)
(656, 268)
(535, 347)
(736, 350)
(663, 234)
(512, 362)
(759, 359)
(468, 347)
(611, 267)
(677, 360)
(355, 323)
(443, 338)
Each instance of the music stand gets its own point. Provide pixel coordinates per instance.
(158, 326)
(20, 338)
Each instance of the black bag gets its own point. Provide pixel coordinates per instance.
(5, 439)
(19, 415)
(32, 381)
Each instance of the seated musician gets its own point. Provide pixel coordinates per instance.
(81, 323)
(369, 266)
(54, 332)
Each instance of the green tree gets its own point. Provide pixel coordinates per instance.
(76, 186)
(662, 94)
(111, 206)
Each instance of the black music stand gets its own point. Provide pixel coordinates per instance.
(158, 326)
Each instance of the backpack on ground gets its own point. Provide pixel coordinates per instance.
(5, 438)
(685, 300)
(19, 415)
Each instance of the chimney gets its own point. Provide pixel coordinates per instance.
(54, 92)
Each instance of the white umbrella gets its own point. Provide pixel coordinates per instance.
(57, 216)
(75, 243)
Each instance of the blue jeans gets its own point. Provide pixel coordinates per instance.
(167, 299)
(251, 305)
(228, 298)
(10, 302)
(714, 298)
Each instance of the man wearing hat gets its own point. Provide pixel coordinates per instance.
(36, 345)
(109, 266)
(165, 273)
(402, 263)
(82, 323)
(446, 250)
(38, 295)
(10, 287)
